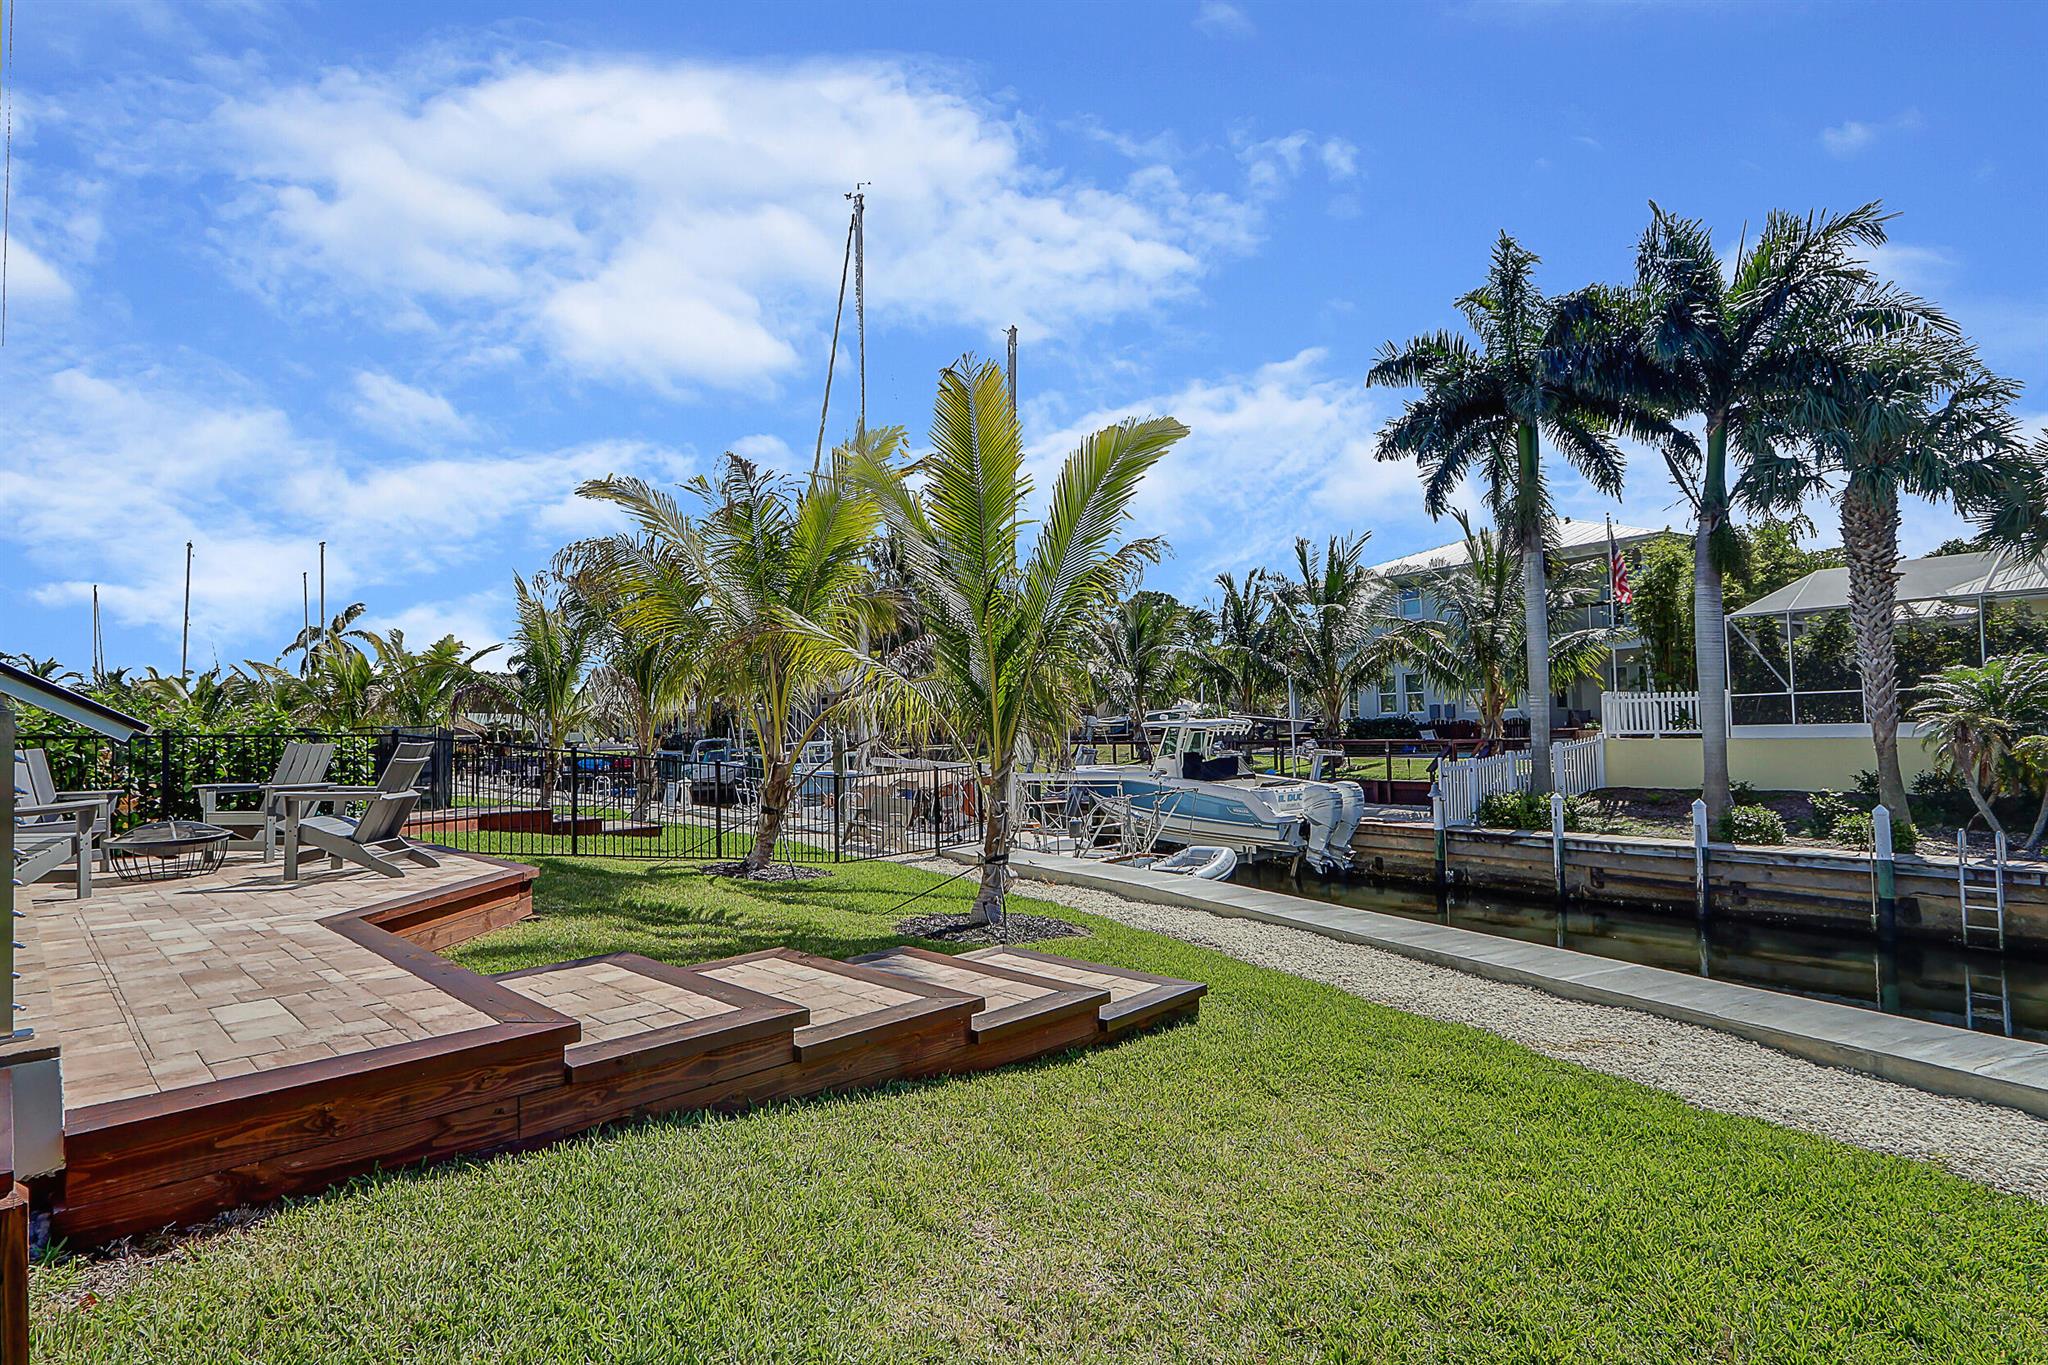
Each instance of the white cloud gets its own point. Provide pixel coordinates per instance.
(1221, 19)
(1273, 164)
(409, 415)
(32, 279)
(1284, 450)
(173, 459)
(681, 224)
(1919, 268)
(1848, 138)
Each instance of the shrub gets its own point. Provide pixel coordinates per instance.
(1382, 727)
(1940, 792)
(1830, 809)
(1856, 830)
(1742, 793)
(1752, 825)
(1531, 811)
(1866, 783)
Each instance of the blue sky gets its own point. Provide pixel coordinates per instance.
(397, 276)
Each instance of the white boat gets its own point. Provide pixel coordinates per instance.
(1196, 793)
(1210, 862)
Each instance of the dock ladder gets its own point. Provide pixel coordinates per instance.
(1987, 1001)
(1983, 905)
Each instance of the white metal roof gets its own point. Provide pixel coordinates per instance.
(1938, 578)
(1575, 540)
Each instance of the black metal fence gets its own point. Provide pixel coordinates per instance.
(519, 798)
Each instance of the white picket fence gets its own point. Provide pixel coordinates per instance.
(1653, 714)
(1576, 768)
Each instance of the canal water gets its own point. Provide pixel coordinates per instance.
(1993, 992)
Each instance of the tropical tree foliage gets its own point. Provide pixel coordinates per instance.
(1484, 413)
(1978, 719)
(1009, 625)
(1909, 412)
(1476, 642)
(1738, 346)
(759, 554)
(1332, 612)
(1244, 640)
(1137, 647)
(551, 654)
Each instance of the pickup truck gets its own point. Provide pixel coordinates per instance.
(713, 769)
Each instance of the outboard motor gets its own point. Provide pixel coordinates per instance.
(1332, 811)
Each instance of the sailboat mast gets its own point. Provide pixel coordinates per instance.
(860, 299)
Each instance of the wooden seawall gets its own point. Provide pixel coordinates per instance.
(1822, 887)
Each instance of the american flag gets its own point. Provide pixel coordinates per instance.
(1617, 571)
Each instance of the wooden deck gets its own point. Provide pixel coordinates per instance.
(232, 1038)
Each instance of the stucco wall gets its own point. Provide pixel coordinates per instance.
(1788, 764)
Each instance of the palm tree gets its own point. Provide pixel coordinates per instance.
(1007, 628)
(728, 581)
(1241, 659)
(316, 637)
(1332, 611)
(1910, 412)
(1485, 412)
(1736, 345)
(1136, 648)
(551, 656)
(1977, 716)
(420, 690)
(1475, 643)
(48, 669)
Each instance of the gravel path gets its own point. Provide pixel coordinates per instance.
(2001, 1147)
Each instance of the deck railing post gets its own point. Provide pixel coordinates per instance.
(1699, 860)
(1886, 883)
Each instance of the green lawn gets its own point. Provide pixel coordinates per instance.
(1298, 1176)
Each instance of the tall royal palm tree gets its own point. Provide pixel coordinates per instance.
(1136, 647)
(1734, 345)
(1475, 642)
(1909, 412)
(1007, 626)
(1484, 414)
(1241, 659)
(1333, 610)
(759, 554)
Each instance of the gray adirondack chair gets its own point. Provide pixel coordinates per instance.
(46, 837)
(33, 783)
(376, 838)
(302, 768)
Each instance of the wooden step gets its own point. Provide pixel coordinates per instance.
(850, 1006)
(1021, 1014)
(1137, 999)
(637, 1013)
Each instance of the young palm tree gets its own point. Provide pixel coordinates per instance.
(1241, 659)
(1476, 642)
(1007, 626)
(1136, 648)
(1910, 412)
(551, 656)
(1484, 414)
(1977, 716)
(759, 554)
(1736, 345)
(1333, 611)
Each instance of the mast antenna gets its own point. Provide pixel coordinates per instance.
(860, 295)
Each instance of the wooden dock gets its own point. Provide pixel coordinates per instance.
(233, 1039)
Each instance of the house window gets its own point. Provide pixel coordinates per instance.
(1416, 695)
(1389, 705)
(1411, 604)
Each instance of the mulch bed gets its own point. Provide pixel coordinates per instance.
(1013, 929)
(774, 872)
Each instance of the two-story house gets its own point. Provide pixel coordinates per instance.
(1404, 692)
